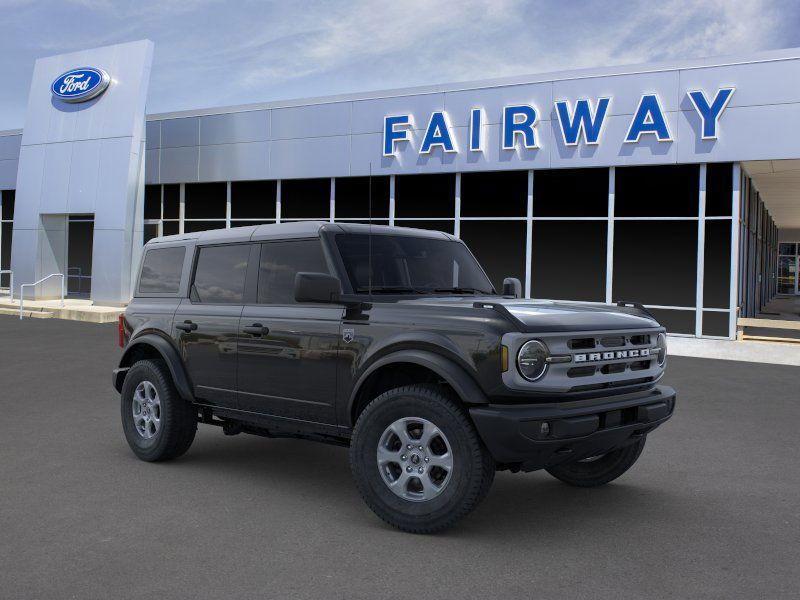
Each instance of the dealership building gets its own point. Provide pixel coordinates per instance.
(676, 185)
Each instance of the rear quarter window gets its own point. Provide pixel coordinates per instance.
(161, 271)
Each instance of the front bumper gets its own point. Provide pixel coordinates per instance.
(535, 436)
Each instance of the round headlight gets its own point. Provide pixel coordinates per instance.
(532, 360)
(661, 347)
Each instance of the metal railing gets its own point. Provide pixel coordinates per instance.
(35, 283)
(10, 282)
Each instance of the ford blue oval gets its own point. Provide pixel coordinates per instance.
(79, 85)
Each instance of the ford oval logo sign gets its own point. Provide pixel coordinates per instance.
(80, 85)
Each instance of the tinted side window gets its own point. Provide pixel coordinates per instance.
(161, 270)
(280, 262)
(220, 274)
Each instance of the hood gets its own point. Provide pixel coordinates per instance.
(549, 316)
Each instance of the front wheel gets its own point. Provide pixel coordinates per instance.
(418, 461)
(599, 470)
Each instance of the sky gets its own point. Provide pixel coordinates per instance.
(216, 53)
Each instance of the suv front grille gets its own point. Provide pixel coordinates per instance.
(590, 360)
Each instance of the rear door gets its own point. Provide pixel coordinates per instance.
(207, 323)
(288, 351)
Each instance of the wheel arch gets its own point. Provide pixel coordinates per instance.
(419, 362)
(153, 346)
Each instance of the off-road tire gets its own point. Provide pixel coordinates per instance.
(178, 417)
(600, 471)
(473, 466)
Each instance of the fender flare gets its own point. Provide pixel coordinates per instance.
(167, 352)
(462, 382)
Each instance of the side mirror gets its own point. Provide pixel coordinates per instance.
(512, 287)
(317, 287)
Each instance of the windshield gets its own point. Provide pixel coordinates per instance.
(403, 264)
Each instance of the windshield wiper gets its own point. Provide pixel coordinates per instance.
(461, 290)
(388, 289)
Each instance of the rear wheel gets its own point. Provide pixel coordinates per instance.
(599, 470)
(418, 461)
(158, 423)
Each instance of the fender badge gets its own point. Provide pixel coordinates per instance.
(348, 335)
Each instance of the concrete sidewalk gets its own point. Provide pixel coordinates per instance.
(776, 353)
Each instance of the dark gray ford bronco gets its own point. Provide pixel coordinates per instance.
(390, 341)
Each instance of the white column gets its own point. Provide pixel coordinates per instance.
(736, 204)
(457, 228)
(612, 182)
(391, 200)
(228, 205)
(333, 199)
(701, 250)
(529, 236)
(182, 207)
(278, 202)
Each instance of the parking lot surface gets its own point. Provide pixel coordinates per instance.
(711, 509)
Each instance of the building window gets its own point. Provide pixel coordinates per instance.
(501, 194)
(655, 262)
(152, 202)
(570, 193)
(305, 199)
(425, 196)
(662, 191)
(499, 246)
(172, 199)
(719, 189)
(6, 231)
(253, 200)
(353, 197)
(205, 200)
(568, 260)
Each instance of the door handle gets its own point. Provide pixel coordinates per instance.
(256, 329)
(186, 326)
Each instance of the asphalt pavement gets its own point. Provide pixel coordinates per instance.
(711, 510)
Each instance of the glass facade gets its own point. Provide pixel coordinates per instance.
(660, 235)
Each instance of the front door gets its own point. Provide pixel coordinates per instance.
(80, 233)
(207, 323)
(787, 274)
(288, 351)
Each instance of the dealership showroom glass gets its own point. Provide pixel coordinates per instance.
(671, 184)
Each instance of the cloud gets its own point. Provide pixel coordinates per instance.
(214, 52)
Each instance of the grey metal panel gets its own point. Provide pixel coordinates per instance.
(176, 133)
(8, 174)
(311, 121)
(152, 166)
(9, 147)
(114, 182)
(231, 128)
(55, 178)
(315, 157)
(179, 165)
(232, 162)
(493, 100)
(368, 115)
(153, 134)
(107, 265)
(756, 84)
(30, 178)
(83, 176)
(746, 133)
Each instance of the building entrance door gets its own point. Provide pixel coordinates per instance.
(787, 274)
(80, 233)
